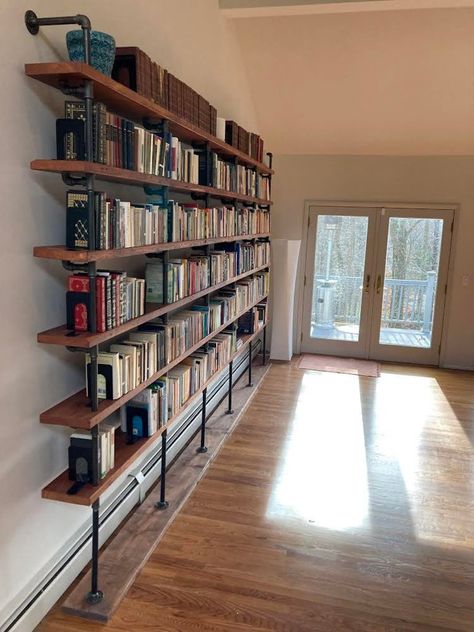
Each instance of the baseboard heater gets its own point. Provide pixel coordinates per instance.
(118, 507)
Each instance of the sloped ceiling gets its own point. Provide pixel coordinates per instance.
(254, 8)
(393, 83)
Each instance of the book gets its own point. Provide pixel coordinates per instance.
(76, 110)
(70, 139)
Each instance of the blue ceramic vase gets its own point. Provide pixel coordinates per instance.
(102, 49)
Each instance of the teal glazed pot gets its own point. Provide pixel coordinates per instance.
(102, 49)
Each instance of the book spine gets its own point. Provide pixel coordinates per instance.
(100, 304)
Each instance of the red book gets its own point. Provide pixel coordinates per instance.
(116, 276)
(100, 304)
(78, 283)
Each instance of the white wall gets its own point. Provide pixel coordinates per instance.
(390, 179)
(195, 43)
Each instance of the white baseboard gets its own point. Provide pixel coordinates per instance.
(456, 367)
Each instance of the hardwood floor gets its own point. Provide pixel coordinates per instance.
(338, 504)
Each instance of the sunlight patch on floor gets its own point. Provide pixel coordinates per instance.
(323, 478)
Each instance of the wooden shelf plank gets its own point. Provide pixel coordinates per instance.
(75, 411)
(125, 454)
(124, 101)
(126, 176)
(61, 253)
(85, 340)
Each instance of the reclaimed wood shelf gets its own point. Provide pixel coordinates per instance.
(86, 339)
(126, 176)
(128, 103)
(61, 253)
(125, 454)
(75, 411)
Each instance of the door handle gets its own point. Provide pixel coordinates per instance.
(379, 283)
(367, 284)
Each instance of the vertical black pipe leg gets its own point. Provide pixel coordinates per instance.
(95, 455)
(264, 347)
(229, 410)
(202, 448)
(163, 503)
(95, 595)
(250, 365)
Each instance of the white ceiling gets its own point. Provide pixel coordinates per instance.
(390, 83)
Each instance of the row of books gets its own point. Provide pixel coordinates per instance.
(143, 415)
(251, 321)
(181, 277)
(119, 142)
(250, 256)
(135, 359)
(237, 178)
(118, 299)
(120, 224)
(137, 71)
(247, 142)
(156, 405)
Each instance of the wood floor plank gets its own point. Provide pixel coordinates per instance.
(339, 504)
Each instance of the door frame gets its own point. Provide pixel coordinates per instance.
(426, 206)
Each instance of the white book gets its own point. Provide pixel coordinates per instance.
(130, 351)
(174, 154)
(151, 339)
(220, 128)
(108, 381)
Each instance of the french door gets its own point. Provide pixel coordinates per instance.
(375, 282)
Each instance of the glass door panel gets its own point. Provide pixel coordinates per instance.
(411, 277)
(338, 273)
(409, 289)
(338, 279)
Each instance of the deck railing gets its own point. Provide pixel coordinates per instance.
(407, 303)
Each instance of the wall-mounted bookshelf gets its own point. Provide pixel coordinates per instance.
(126, 454)
(85, 340)
(82, 411)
